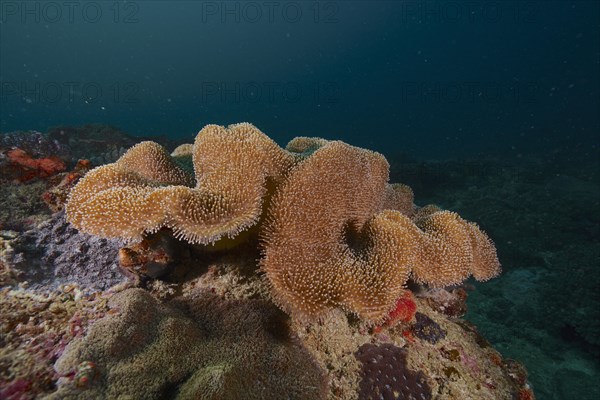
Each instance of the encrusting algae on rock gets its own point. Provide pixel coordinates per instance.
(337, 246)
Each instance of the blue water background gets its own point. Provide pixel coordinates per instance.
(429, 78)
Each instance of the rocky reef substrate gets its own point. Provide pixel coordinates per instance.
(86, 317)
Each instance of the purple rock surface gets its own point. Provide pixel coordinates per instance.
(55, 253)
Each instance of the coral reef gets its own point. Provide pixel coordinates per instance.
(221, 335)
(198, 347)
(325, 204)
(335, 241)
(337, 234)
(224, 319)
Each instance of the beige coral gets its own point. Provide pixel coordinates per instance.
(233, 167)
(324, 248)
(185, 149)
(452, 249)
(152, 161)
(337, 235)
(399, 197)
(195, 347)
(485, 264)
(305, 145)
(146, 189)
(116, 200)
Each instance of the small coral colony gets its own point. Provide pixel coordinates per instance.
(333, 231)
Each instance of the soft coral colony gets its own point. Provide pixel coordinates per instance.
(333, 232)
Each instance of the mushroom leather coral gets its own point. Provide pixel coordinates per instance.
(336, 233)
(453, 249)
(330, 200)
(146, 190)
(329, 240)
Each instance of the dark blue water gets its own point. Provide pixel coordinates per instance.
(430, 78)
(416, 80)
